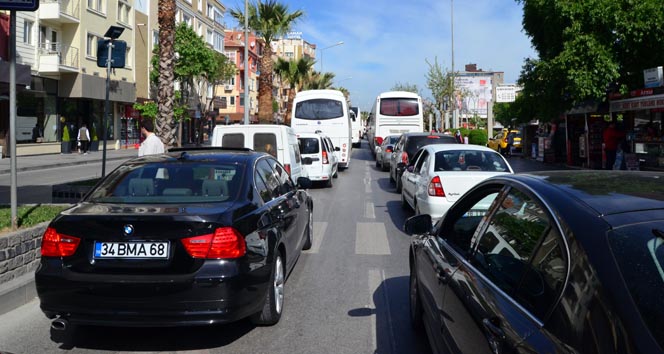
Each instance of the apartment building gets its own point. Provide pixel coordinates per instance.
(232, 93)
(290, 47)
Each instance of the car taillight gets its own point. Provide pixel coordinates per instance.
(388, 150)
(325, 160)
(55, 244)
(378, 140)
(287, 168)
(225, 242)
(436, 187)
(404, 157)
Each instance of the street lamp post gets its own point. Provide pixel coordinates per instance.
(344, 79)
(112, 34)
(321, 53)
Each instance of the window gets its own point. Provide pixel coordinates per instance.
(309, 146)
(124, 11)
(424, 156)
(210, 11)
(218, 42)
(233, 140)
(91, 47)
(128, 58)
(209, 91)
(218, 17)
(155, 39)
(242, 101)
(96, 5)
(199, 5)
(285, 183)
(232, 100)
(268, 175)
(461, 221)
(317, 109)
(27, 31)
(210, 37)
(200, 29)
(399, 107)
(187, 19)
(503, 252)
(261, 187)
(266, 142)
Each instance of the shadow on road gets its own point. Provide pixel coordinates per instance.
(394, 333)
(397, 213)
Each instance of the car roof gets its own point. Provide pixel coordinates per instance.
(605, 192)
(448, 146)
(216, 154)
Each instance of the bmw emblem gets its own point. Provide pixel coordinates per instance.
(128, 229)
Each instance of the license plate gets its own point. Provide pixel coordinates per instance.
(470, 213)
(158, 250)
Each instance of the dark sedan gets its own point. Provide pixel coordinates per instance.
(186, 238)
(552, 262)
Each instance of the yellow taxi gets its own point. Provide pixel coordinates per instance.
(499, 142)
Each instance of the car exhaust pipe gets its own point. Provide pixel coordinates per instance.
(60, 324)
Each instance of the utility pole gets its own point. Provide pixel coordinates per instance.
(246, 62)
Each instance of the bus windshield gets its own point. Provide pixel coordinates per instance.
(317, 109)
(399, 107)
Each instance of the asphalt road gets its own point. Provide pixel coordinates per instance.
(348, 294)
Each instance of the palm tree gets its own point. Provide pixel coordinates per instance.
(269, 19)
(344, 91)
(318, 81)
(165, 92)
(294, 72)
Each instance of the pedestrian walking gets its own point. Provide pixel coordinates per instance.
(458, 137)
(612, 139)
(510, 143)
(83, 139)
(152, 145)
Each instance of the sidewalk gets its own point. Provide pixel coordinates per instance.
(39, 162)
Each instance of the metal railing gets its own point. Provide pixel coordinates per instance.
(67, 55)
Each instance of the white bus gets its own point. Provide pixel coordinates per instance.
(394, 112)
(356, 126)
(325, 111)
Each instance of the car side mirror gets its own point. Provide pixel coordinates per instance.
(304, 182)
(307, 161)
(418, 224)
(411, 168)
(336, 148)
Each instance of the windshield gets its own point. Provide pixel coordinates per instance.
(170, 183)
(639, 252)
(399, 107)
(320, 108)
(414, 143)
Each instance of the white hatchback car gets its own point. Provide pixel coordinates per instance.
(319, 162)
(441, 173)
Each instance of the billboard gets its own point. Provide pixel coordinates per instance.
(473, 94)
(505, 93)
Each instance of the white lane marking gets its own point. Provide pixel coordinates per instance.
(319, 232)
(371, 238)
(369, 212)
(376, 278)
(367, 188)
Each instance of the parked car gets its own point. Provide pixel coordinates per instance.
(440, 174)
(501, 140)
(319, 160)
(548, 262)
(407, 146)
(279, 141)
(384, 151)
(191, 237)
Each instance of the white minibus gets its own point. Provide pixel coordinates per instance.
(394, 112)
(356, 126)
(325, 111)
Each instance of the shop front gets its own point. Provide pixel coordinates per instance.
(643, 118)
(585, 125)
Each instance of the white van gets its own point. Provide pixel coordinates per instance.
(325, 111)
(356, 125)
(319, 161)
(278, 140)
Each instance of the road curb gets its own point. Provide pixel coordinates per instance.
(17, 292)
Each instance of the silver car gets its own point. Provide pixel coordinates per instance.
(384, 151)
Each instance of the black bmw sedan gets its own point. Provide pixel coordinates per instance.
(185, 238)
(551, 262)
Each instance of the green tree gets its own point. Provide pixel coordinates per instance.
(405, 87)
(294, 72)
(439, 81)
(318, 81)
(269, 19)
(587, 48)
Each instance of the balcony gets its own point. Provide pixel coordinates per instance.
(57, 58)
(60, 11)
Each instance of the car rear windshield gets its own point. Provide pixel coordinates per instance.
(399, 107)
(309, 146)
(414, 143)
(470, 160)
(639, 252)
(318, 109)
(174, 182)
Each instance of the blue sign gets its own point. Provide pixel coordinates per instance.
(19, 5)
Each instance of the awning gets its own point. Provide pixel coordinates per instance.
(23, 76)
(638, 103)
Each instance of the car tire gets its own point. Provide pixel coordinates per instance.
(398, 180)
(274, 299)
(378, 164)
(404, 203)
(328, 184)
(336, 173)
(308, 240)
(415, 301)
(392, 180)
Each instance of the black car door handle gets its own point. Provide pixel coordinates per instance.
(492, 329)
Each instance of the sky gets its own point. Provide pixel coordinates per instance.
(388, 42)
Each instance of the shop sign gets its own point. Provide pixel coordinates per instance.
(653, 77)
(641, 92)
(637, 104)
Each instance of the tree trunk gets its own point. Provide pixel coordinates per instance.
(265, 88)
(166, 95)
(289, 106)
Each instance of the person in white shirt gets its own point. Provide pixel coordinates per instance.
(83, 139)
(152, 145)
